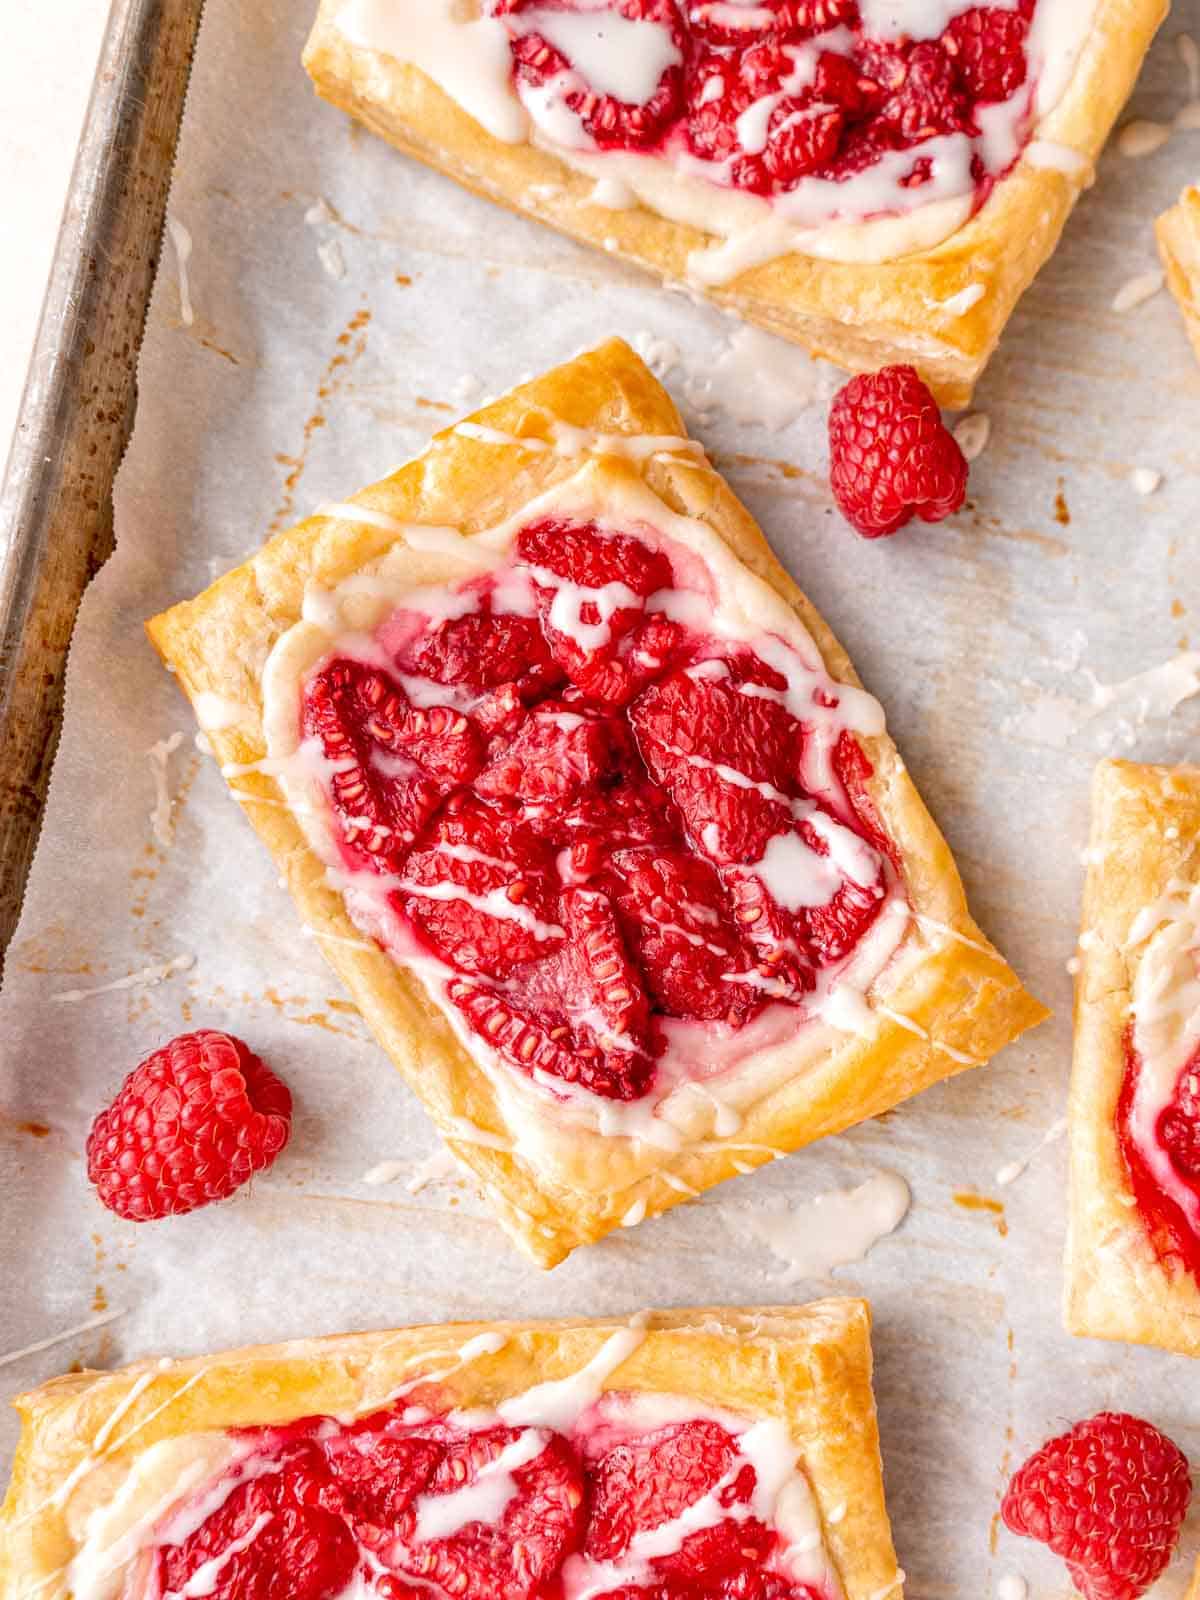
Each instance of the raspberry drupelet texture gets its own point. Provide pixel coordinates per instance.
(382, 1506)
(891, 457)
(189, 1125)
(1109, 1497)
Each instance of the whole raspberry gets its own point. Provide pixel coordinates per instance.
(1109, 1497)
(188, 1126)
(890, 455)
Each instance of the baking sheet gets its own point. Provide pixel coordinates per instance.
(337, 305)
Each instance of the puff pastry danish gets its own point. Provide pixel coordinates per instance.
(1178, 232)
(1133, 1250)
(701, 1455)
(588, 809)
(879, 182)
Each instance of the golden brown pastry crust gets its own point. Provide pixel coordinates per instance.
(859, 315)
(808, 1366)
(1115, 1285)
(1194, 1592)
(1178, 232)
(964, 1002)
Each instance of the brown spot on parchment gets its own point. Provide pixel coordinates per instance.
(35, 1130)
(220, 350)
(99, 1299)
(970, 1201)
(1178, 609)
(433, 405)
(1062, 511)
(351, 343)
(403, 279)
(785, 469)
(56, 949)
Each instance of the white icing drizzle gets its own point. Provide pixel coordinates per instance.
(48, 1343)
(1137, 290)
(781, 1497)
(1012, 1170)
(146, 977)
(181, 242)
(831, 1230)
(486, 1498)
(467, 57)
(173, 1488)
(972, 433)
(869, 216)
(568, 440)
(204, 1580)
(162, 821)
(1165, 1008)
(1142, 137)
(560, 1403)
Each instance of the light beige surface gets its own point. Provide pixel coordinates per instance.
(1116, 1286)
(45, 80)
(809, 1367)
(962, 1001)
(861, 316)
(1178, 232)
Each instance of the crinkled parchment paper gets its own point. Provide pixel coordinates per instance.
(340, 303)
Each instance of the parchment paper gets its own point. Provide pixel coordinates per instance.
(291, 385)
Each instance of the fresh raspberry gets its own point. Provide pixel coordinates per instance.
(987, 47)
(361, 714)
(506, 913)
(292, 1546)
(1109, 1497)
(612, 123)
(189, 1125)
(890, 454)
(679, 924)
(483, 651)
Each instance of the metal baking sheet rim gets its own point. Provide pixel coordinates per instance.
(78, 403)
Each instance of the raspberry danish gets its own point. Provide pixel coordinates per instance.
(590, 812)
(1133, 1250)
(694, 1455)
(879, 180)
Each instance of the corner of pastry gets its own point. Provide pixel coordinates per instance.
(1133, 1249)
(588, 809)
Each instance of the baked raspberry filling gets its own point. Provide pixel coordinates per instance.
(838, 109)
(592, 819)
(402, 1503)
(1171, 1213)
(1158, 1113)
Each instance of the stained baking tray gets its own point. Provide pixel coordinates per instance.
(77, 408)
